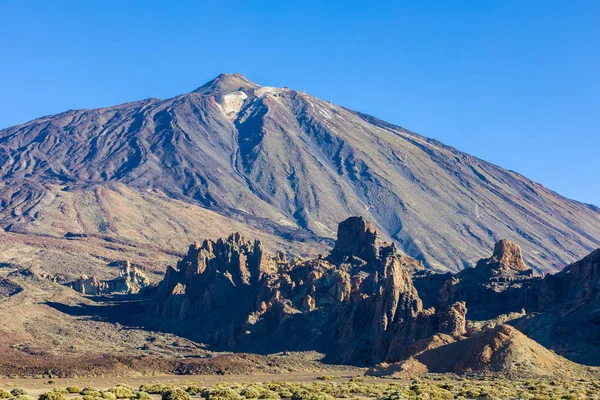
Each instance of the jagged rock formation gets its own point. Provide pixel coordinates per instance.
(497, 285)
(211, 277)
(281, 160)
(358, 305)
(130, 280)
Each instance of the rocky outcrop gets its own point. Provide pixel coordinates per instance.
(211, 277)
(356, 238)
(130, 280)
(497, 285)
(507, 256)
(358, 304)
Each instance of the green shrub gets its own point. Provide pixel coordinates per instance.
(221, 393)
(60, 390)
(143, 396)
(90, 397)
(108, 395)
(310, 395)
(4, 394)
(122, 392)
(175, 394)
(22, 397)
(51, 396)
(154, 389)
(90, 391)
(73, 389)
(250, 392)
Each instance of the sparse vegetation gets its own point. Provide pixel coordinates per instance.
(434, 386)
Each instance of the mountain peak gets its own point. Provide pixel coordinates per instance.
(226, 83)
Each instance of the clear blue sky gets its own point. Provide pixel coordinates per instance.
(513, 82)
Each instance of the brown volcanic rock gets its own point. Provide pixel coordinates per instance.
(230, 293)
(507, 256)
(576, 285)
(356, 237)
(498, 285)
(211, 276)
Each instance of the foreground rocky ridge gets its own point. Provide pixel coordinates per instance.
(359, 300)
(362, 303)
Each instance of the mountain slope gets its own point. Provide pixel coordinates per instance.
(287, 161)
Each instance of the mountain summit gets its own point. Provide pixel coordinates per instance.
(282, 162)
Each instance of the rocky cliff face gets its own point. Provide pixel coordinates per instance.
(363, 303)
(359, 304)
(576, 285)
(286, 162)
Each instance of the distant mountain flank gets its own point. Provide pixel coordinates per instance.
(280, 162)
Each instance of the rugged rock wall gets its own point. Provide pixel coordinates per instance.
(577, 284)
(358, 305)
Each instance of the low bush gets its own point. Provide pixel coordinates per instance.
(122, 392)
(250, 392)
(54, 395)
(73, 389)
(108, 395)
(143, 396)
(221, 393)
(175, 394)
